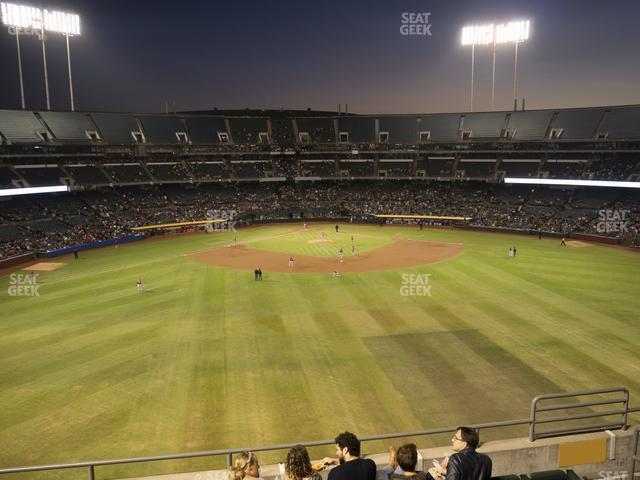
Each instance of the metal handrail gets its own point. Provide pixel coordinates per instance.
(598, 427)
(579, 404)
(229, 452)
(535, 409)
(564, 418)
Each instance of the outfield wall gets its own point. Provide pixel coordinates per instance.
(17, 260)
(513, 231)
(91, 246)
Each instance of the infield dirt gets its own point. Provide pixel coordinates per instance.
(402, 253)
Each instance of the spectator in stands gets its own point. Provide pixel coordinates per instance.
(466, 463)
(403, 462)
(393, 463)
(246, 467)
(407, 458)
(298, 465)
(351, 467)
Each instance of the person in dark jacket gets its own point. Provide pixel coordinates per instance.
(466, 463)
(351, 465)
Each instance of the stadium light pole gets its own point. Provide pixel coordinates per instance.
(515, 79)
(17, 30)
(13, 27)
(44, 65)
(69, 25)
(473, 51)
(491, 34)
(23, 18)
(476, 36)
(493, 76)
(69, 68)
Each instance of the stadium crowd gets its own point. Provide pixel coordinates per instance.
(49, 222)
(465, 463)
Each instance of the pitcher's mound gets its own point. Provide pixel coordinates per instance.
(316, 241)
(402, 253)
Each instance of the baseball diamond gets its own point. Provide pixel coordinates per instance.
(233, 361)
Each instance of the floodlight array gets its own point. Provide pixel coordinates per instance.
(26, 17)
(512, 32)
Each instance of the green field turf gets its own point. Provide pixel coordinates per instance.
(206, 358)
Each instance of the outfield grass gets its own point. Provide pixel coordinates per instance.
(206, 358)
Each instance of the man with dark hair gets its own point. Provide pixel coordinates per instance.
(466, 463)
(351, 466)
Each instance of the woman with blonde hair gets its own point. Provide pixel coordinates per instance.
(298, 465)
(246, 467)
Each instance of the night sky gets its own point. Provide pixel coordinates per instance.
(134, 56)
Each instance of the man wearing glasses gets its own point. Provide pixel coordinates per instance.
(466, 463)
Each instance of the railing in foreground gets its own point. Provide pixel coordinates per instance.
(537, 410)
(532, 421)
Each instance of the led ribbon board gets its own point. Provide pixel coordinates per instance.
(423, 217)
(9, 192)
(577, 183)
(179, 224)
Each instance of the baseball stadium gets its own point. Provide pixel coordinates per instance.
(179, 288)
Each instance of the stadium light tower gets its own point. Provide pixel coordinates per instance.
(491, 34)
(16, 20)
(69, 25)
(31, 20)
